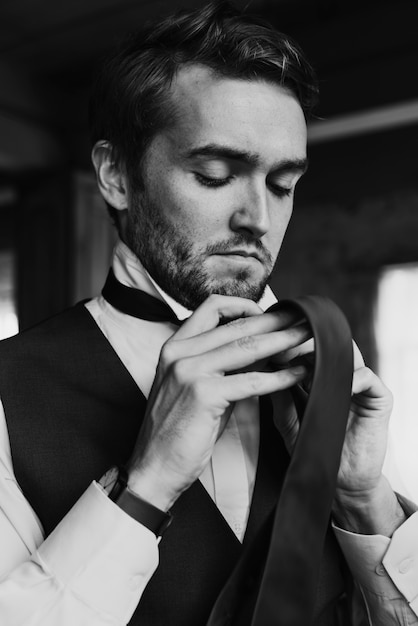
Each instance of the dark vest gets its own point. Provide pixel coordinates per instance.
(73, 410)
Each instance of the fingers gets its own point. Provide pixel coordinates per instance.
(214, 311)
(248, 384)
(227, 311)
(365, 381)
(305, 350)
(368, 385)
(358, 357)
(236, 330)
(202, 347)
(236, 355)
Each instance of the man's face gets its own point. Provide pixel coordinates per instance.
(217, 191)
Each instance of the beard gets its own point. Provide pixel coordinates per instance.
(178, 268)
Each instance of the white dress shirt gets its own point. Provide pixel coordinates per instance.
(93, 568)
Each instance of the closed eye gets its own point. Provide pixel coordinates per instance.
(281, 192)
(211, 181)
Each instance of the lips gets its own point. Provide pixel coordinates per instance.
(241, 253)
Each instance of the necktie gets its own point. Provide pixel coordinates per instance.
(275, 581)
(279, 571)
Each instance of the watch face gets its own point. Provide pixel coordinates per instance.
(109, 479)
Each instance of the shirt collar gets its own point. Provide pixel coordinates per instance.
(129, 271)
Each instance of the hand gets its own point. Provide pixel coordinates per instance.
(367, 432)
(364, 501)
(202, 372)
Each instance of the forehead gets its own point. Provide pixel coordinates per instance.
(250, 115)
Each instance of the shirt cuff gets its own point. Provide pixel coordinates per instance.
(386, 567)
(401, 560)
(102, 554)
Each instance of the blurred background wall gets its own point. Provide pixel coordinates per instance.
(356, 212)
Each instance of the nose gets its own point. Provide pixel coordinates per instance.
(252, 212)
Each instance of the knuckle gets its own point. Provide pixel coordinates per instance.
(181, 372)
(247, 343)
(168, 354)
(237, 323)
(254, 379)
(366, 373)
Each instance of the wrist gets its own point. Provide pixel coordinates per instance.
(115, 484)
(370, 512)
(152, 488)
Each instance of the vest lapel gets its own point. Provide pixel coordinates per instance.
(60, 443)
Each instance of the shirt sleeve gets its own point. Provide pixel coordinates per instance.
(386, 571)
(90, 571)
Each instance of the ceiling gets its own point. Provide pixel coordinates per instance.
(66, 37)
(365, 51)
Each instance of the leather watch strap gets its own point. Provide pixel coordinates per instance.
(147, 514)
(150, 516)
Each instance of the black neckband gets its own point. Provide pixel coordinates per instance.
(136, 302)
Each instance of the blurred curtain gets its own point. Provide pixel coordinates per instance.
(43, 235)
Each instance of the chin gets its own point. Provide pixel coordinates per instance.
(240, 288)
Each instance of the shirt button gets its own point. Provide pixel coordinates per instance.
(380, 570)
(405, 566)
(134, 582)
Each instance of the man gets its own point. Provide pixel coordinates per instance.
(199, 140)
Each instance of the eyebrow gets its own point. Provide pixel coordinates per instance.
(226, 152)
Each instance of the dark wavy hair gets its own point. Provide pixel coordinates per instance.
(130, 101)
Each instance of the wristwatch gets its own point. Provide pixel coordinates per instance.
(115, 484)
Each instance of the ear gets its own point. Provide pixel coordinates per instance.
(111, 179)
